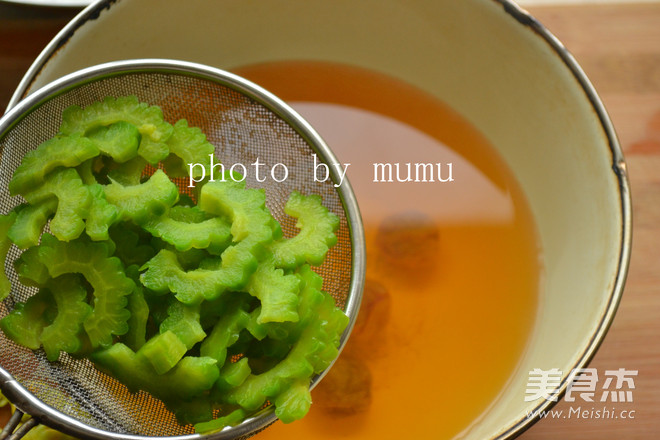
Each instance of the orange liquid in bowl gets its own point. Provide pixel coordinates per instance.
(452, 268)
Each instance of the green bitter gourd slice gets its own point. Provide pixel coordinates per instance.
(212, 233)
(101, 214)
(319, 331)
(154, 130)
(106, 275)
(187, 145)
(183, 320)
(190, 378)
(27, 320)
(73, 201)
(30, 222)
(6, 222)
(316, 236)
(136, 335)
(251, 230)
(64, 334)
(60, 151)
(144, 201)
(119, 140)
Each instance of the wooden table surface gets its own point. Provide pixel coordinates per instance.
(618, 46)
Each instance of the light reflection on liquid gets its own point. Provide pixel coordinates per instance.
(363, 138)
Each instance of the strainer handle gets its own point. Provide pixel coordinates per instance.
(8, 432)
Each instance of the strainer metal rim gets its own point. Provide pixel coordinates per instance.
(26, 401)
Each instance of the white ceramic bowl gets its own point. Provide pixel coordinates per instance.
(488, 60)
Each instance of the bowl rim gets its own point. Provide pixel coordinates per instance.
(618, 164)
(620, 170)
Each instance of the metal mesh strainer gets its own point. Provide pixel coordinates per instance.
(243, 122)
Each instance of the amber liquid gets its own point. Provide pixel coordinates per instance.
(453, 268)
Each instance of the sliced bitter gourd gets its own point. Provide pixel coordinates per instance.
(164, 274)
(154, 130)
(139, 309)
(105, 274)
(64, 334)
(86, 171)
(212, 234)
(30, 221)
(141, 203)
(277, 291)
(6, 222)
(101, 214)
(317, 232)
(31, 271)
(73, 202)
(132, 244)
(128, 173)
(225, 332)
(223, 317)
(60, 151)
(251, 221)
(187, 145)
(232, 374)
(183, 321)
(27, 320)
(189, 378)
(251, 230)
(233, 418)
(319, 331)
(119, 140)
(163, 351)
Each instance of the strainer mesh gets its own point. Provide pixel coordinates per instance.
(242, 131)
